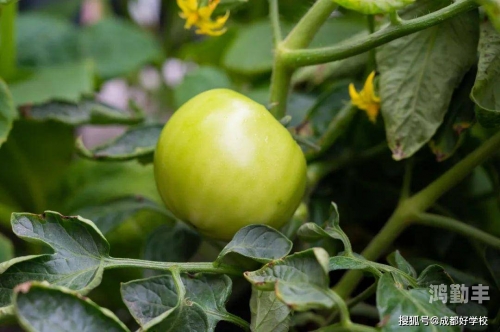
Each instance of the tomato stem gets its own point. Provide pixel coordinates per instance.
(8, 58)
(434, 220)
(295, 57)
(114, 263)
(300, 37)
(408, 211)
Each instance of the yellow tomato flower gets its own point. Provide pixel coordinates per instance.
(200, 17)
(366, 99)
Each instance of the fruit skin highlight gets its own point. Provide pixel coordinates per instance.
(224, 162)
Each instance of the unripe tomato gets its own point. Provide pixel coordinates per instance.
(223, 162)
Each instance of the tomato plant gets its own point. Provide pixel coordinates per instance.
(264, 165)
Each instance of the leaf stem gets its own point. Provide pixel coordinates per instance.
(301, 35)
(434, 220)
(274, 15)
(304, 57)
(238, 321)
(345, 318)
(406, 188)
(408, 209)
(8, 57)
(114, 263)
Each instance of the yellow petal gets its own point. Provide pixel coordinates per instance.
(355, 98)
(372, 111)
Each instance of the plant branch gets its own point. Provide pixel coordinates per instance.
(430, 194)
(305, 57)
(408, 209)
(8, 56)
(299, 37)
(114, 263)
(434, 220)
(274, 15)
(406, 189)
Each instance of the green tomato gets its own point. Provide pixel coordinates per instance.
(224, 162)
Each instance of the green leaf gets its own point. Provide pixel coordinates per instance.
(193, 303)
(371, 7)
(396, 260)
(434, 275)
(348, 263)
(411, 108)
(87, 111)
(172, 243)
(45, 40)
(492, 8)
(310, 232)
(7, 112)
(109, 215)
(258, 242)
(300, 280)
(393, 301)
(200, 80)
(136, 143)
(38, 308)
(485, 92)
(78, 252)
(118, 47)
(459, 118)
(256, 39)
(268, 313)
(68, 82)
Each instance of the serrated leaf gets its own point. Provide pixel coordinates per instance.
(372, 7)
(459, 118)
(77, 262)
(87, 111)
(38, 309)
(397, 260)
(268, 313)
(411, 107)
(434, 275)
(69, 82)
(311, 232)
(258, 242)
(7, 112)
(158, 301)
(299, 280)
(107, 41)
(348, 263)
(136, 143)
(394, 301)
(485, 92)
(303, 297)
(110, 214)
